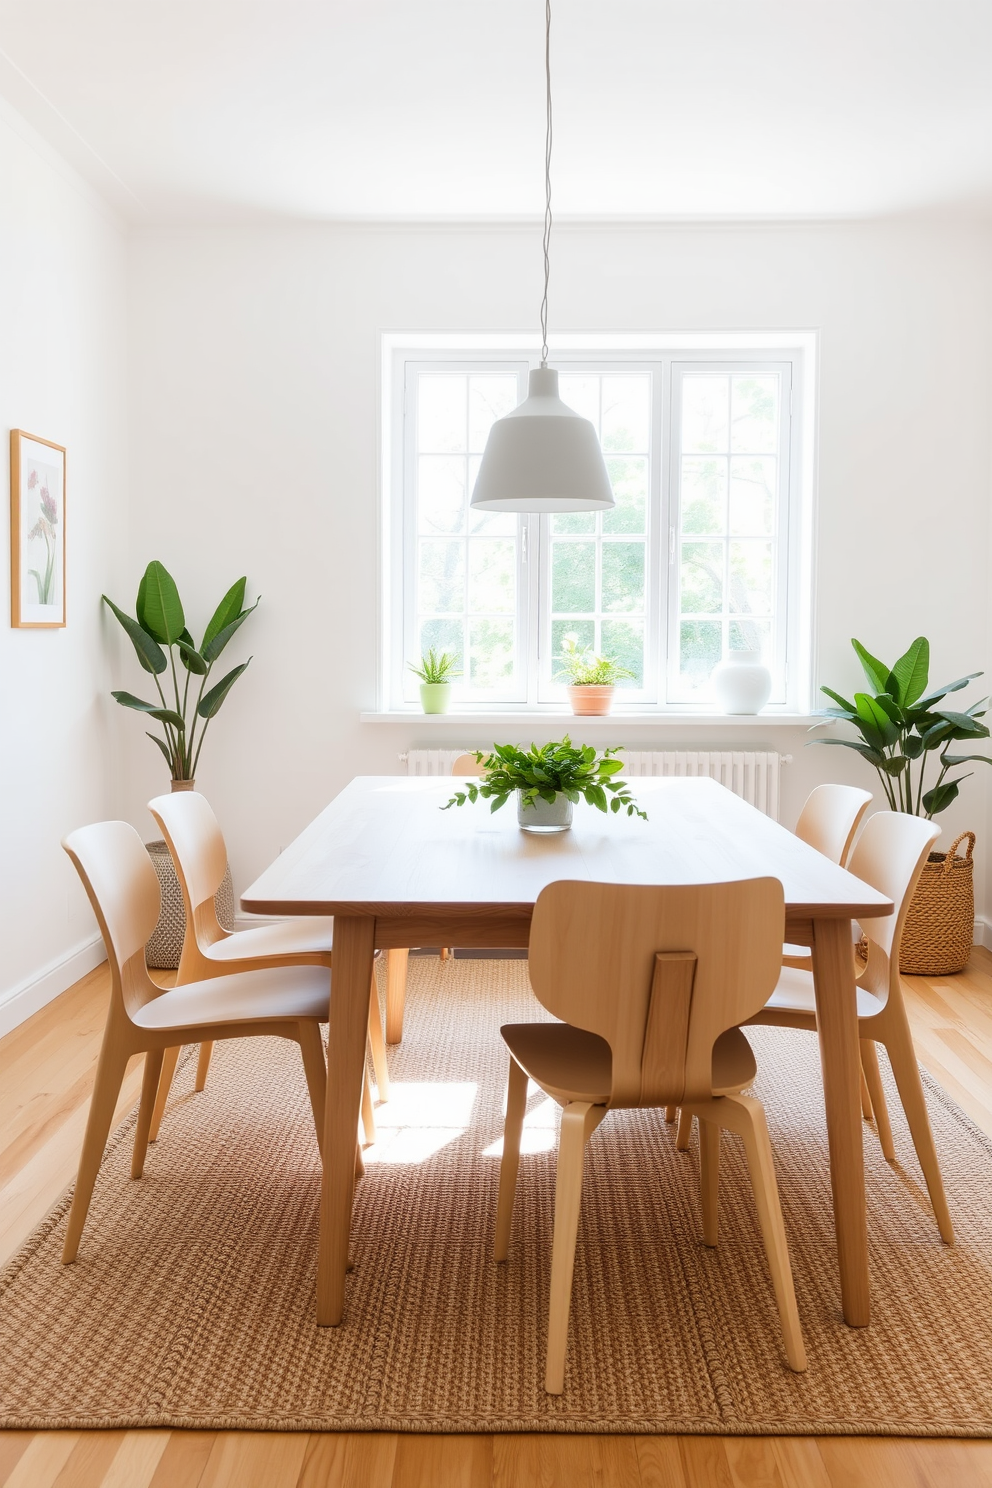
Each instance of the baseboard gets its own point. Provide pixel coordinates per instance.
(21, 1001)
(983, 933)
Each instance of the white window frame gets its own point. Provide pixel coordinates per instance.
(403, 355)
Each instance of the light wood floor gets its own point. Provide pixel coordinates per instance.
(46, 1071)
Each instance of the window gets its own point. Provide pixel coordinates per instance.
(705, 551)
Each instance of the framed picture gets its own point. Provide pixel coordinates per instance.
(37, 531)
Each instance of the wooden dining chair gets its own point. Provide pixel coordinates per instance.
(652, 982)
(397, 960)
(199, 853)
(143, 1019)
(829, 821)
(889, 855)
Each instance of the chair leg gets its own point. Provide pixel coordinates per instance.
(150, 1084)
(902, 1056)
(685, 1130)
(396, 968)
(578, 1121)
(359, 1161)
(109, 1078)
(378, 1045)
(203, 1064)
(871, 1075)
(866, 1108)
(368, 1113)
(516, 1109)
(444, 953)
(745, 1115)
(315, 1068)
(709, 1178)
(169, 1061)
(670, 1113)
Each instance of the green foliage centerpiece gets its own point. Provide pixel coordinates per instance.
(160, 622)
(548, 781)
(902, 724)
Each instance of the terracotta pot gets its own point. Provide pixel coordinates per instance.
(184, 785)
(588, 702)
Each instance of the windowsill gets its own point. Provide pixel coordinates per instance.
(641, 718)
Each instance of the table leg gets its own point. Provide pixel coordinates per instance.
(354, 940)
(837, 1025)
(396, 964)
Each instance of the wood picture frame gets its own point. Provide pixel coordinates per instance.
(37, 532)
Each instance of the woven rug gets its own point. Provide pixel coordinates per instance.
(192, 1301)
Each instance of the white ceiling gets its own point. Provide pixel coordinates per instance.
(234, 110)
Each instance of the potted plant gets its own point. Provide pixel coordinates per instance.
(435, 671)
(902, 725)
(548, 781)
(590, 678)
(161, 623)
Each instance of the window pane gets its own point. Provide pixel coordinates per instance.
(751, 635)
(750, 578)
(705, 413)
(754, 414)
(624, 640)
(573, 577)
(489, 399)
(584, 632)
(700, 648)
(623, 576)
(442, 576)
(491, 654)
(625, 413)
(492, 576)
(441, 414)
(752, 495)
(582, 396)
(443, 635)
(441, 503)
(704, 495)
(702, 577)
(629, 479)
(569, 523)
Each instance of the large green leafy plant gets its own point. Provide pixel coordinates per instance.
(161, 623)
(554, 769)
(902, 724)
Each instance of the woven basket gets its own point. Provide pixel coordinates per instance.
(165, 948)
(939, 928)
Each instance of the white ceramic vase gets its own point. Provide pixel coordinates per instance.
(741, 683)
(545, 816)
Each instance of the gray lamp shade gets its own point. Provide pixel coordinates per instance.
(542, 457)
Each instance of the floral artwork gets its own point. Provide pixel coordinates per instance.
(37, 470)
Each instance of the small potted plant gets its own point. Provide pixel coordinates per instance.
(590, 678)
(548, 781)
(902, 723)
(435, 671)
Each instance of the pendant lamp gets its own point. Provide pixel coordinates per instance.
(543, 457)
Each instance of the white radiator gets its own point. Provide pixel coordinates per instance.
(750, 774)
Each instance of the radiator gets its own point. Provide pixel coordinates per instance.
(750, 774)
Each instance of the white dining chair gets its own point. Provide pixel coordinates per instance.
(199, 853)
(652, 983)
(143, 1019)
(889, 855)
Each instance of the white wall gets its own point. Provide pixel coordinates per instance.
(62, 348)
(254, 441)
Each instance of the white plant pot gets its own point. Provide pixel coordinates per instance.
(741, 683)
(545, 816)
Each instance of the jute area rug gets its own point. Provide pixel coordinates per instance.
(192, 1302)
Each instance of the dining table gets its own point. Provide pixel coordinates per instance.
(397, 870)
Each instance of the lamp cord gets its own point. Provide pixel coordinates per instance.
(548, 139)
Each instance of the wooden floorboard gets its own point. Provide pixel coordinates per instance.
(46, 1073)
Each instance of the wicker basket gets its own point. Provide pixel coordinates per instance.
(163, 951)
(937, 936)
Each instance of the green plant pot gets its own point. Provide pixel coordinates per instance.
(435, 696)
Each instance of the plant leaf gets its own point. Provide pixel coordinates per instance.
(148, 650)
(876, 671)
(909, 674)
(894, 766)
(211, 701)
(213, 647)
(959, 720)
(872, 718)
(912, 746)
(876, 757)
(156, 740)
(228, 609)
(154, 710)
(191, 658)
(942, 795)
(939, 692)
(950, 760)
(841, 701)
(159, 608)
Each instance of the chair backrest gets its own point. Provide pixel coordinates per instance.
(830, 819)
(123, 889)
(466, 764)
(659, 972)
(200, 855)
(890, 855)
